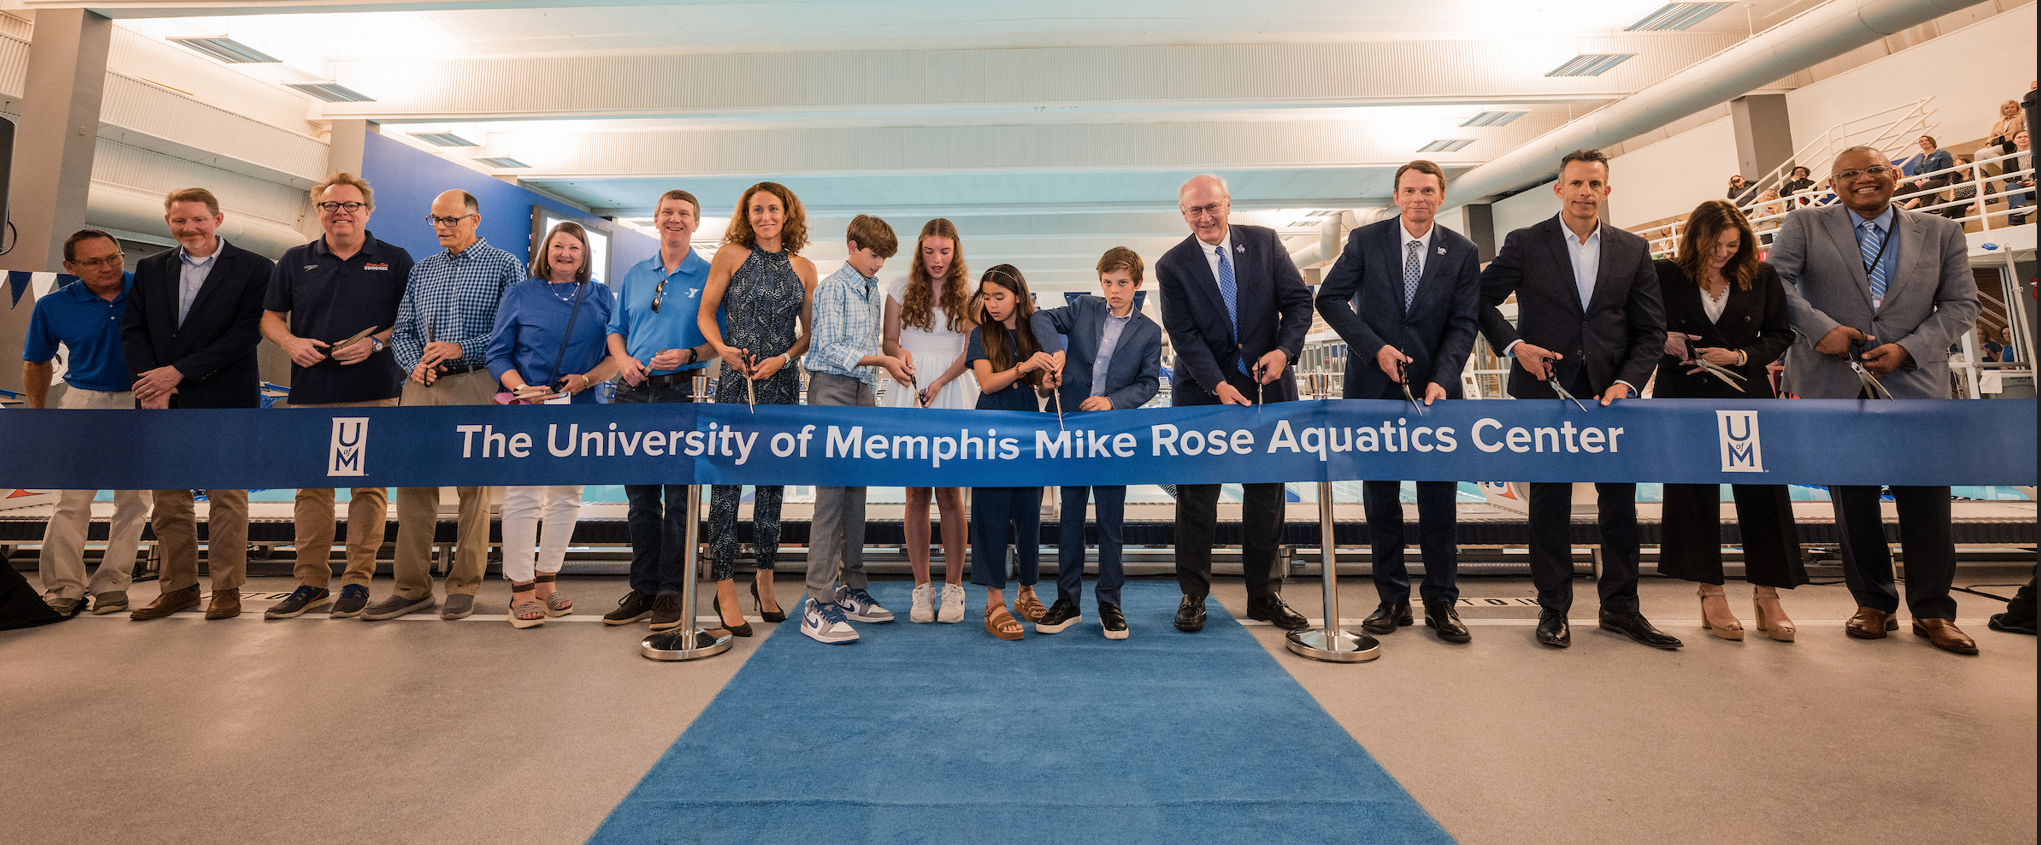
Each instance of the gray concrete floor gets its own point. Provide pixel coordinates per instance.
(314, 730)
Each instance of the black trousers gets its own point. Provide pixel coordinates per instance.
(1437, 521)
(1690, 544)
(1552, 548)
(1261, 527)
(1924, 537)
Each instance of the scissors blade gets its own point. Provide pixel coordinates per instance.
(1403, 379)
(1720, 372)
(1058, 394)
(1556, 388)
(750, 389)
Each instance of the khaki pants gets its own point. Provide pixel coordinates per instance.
(418, 507)
(176, 524)
(62, 561)
(368, 510)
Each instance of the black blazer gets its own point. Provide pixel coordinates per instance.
(215, 347)
(1754, 321)
(1362, 300)
(1620, 335)
(1275, 313)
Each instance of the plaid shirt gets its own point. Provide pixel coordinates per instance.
(847, 308)
(456, 295)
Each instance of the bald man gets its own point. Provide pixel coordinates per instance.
(1236, 310)
(443, 328)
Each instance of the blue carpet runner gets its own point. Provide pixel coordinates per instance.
(941, 733)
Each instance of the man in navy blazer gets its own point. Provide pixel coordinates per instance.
(190, 332)
(1236, 310)
(1405, 295)
(1588, 317)
(1113, 362)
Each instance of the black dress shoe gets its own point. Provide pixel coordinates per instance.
(1444, 619)
(2010, 623)
(1190, 616)
(1636, 627)
(1388, 616)
(1273, 611)
(1552, 629)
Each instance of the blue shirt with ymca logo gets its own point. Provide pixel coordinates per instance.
(332, 300)
(90, 327)
(674, 326)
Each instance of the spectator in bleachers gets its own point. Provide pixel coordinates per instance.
(2019, 189)
(1927, 182)
(2010, 120)
(1800, 185)
(1741, 191)
(1962, 193)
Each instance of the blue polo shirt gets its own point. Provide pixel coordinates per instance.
(331, 300)
(76, 317)
(675, 326)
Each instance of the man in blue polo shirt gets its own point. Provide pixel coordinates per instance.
(659, 350)
(325, 293)
(84, 316)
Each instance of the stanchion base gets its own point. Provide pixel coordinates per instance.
(672, 645)
(1334, 646)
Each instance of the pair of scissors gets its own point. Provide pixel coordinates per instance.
(1403, 378)
(1728, 376)
(355, 339)
(1872, 387)
(1553, 379)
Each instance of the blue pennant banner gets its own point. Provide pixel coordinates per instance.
(1662, 440)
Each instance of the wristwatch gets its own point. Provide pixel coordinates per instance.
(375, 344)
(692, 356)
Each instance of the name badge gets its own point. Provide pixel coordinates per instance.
(375, 266)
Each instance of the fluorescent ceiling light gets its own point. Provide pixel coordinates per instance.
(1676, 16)
(1446, 145)
(443, 139)
(332, 92)
(1493, 118)
(225, 49)
(1590, 64)
(502, 161)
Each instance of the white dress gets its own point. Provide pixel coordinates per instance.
(934, 352)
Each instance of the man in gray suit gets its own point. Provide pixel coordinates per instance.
(1893, 288)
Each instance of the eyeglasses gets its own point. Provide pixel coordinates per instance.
(113, 260)
(1211, 210)
(1873, 170)
(658, 293)
(350, 207)
(446, 222)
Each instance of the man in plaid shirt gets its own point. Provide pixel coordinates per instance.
(443, 328)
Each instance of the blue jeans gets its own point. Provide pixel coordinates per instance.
(658, 535)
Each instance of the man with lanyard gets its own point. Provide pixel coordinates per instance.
(442, 334)
(659, 350)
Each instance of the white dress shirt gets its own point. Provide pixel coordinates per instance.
(1424, 248)
(1212, 256)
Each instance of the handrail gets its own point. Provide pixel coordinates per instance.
(1915, 117)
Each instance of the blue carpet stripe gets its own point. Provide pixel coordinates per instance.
(940, 733)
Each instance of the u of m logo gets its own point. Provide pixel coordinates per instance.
(1738, 432)
(348, 454)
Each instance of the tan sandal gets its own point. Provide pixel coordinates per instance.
(557, 604)
(1001, 624)
(1026, 606)
(528, 613)
(1773, 622)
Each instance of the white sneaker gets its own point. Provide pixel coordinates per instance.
(859, 605)
(953, 604)
(923, 609)
(824, 623)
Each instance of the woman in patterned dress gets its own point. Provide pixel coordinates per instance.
(762, 286)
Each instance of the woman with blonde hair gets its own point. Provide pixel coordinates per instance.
(927, 324)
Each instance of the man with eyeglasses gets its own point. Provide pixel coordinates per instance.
(1874, 289)
(331, 306)
(441, 340)
(659, 349)
(84, 317)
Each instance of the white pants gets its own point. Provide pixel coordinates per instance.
(62, 561)
(523, 507)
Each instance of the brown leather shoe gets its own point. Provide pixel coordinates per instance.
(1870, 623)
(226, 604)
(1945, 635)
(168, 603)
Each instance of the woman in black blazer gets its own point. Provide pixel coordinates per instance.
(1725, 306)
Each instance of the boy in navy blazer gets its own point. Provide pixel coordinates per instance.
(1405, 295)
(1111, 361)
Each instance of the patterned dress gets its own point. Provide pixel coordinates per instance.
(761, 310)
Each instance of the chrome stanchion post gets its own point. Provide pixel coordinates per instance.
(1332, 644)
(688, 642)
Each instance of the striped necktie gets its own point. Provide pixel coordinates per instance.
(1229, 291)
(1871, 242)
(1410, 273)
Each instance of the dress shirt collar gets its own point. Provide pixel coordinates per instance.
(219, 246)
(1424, 240)
(456, 255)
(1594, 238)
(1883, 221)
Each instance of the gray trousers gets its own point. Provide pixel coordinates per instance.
(836, 537)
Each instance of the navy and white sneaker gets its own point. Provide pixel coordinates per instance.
(823, 622)
(859, 606)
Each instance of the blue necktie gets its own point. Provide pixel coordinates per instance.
(1229, 291)
(1410, 274)
(1871, 242)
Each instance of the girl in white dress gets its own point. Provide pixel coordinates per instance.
(928, 323)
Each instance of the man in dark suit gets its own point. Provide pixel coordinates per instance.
(190, 333)
(1236, 310)
(1405, 296)
(1589, 317)
(1108, 357)
(1899, 282)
